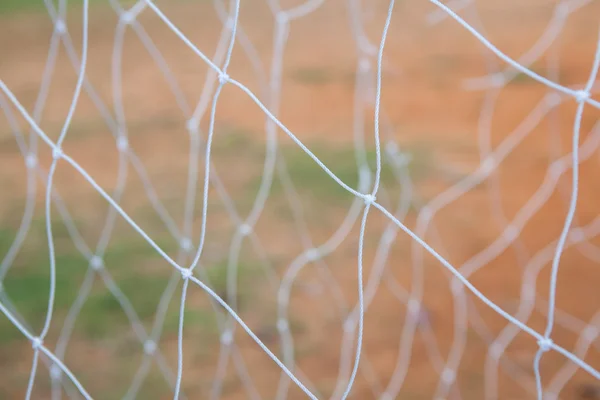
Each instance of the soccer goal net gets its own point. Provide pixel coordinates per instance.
(286, 199)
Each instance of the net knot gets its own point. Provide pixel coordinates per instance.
(185, 244)
(577, 235)
(590, 333)
(127, 17)
(282, 325)
(36, 343)
(364, 65)
(245, 229)
(312, 254)
(227, 337)
(192, 125)
(511, 232)
(223, 78)
(448, 376)
(582, 95)
(545, 344)
(349, 324)
(186, 273)
(426, 214)
(414, 306)
(31, 161)
(495, 350)
(55, 372)
(149, 347)
(369, 199)
(281, 18)
(556, 169)
(391, 148)
(487, 166)
(60, 27)
(57, 153)
(456, 286)
(497, 80)
(96, 263)
(122, 143)
(562, 9)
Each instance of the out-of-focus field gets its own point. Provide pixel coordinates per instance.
(429, 113)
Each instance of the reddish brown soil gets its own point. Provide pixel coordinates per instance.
(424, 97)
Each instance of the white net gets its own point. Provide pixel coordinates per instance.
(281, 199)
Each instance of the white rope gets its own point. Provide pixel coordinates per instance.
(372, 193)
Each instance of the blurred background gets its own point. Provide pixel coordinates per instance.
(476, 160)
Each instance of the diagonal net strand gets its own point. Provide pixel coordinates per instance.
(427, 240)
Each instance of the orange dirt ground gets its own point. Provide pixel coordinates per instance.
(423, 95)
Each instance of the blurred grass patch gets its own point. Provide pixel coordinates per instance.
(7, 236)
(27, 284)
(237, 145)
(312, 75)
(309, 178)
(8, 7)
(103, 315)
(60, 233)
(12, 6)
(28, 288)
(197, 320)
(218, 275)
(234, 138)
(135, 267)
(521, 78)
(125, 254)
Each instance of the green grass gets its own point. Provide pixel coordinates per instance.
(217, 275)
(154, 386)
(198, 320)
(124, 254)
(235, 139)
(522, 79)
(27, 286)
(308, 177)
(102, 315)
(116, 378)
(312, 76)
(27, 283)
(11, 6)
(8, 7)
(6, 238)
(322, 196)
(59, 229)
(127, 261)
